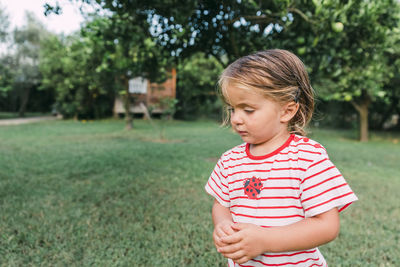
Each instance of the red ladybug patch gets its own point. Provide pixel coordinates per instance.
(253, 187)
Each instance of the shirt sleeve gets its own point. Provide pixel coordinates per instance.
(217, 185)
(324, 188)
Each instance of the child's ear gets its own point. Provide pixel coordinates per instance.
(288, 111)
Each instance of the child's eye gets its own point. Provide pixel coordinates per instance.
(249, 110)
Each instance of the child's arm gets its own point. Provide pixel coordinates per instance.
(223, 223)
(250, 240)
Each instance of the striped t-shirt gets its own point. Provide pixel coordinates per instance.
(294, 182)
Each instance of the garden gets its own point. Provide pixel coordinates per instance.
(83, 193)
(122, 125)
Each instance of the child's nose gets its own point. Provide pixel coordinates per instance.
(236, 118)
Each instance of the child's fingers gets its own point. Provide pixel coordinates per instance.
(217, 235)
(220, 232)
(234, 256)
(231, 239)
(228, 230)
(218, 243)
(240, 226)
(229, 249)
(242, 260)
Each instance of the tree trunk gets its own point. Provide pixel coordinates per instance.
(24, 101)
(127, 105)
(362, 109)
(364, 123)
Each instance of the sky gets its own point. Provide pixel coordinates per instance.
(67, 22)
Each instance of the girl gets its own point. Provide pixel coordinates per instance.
(277, 196)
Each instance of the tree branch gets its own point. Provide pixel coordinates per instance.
(257, 19)
(356, 106)
(218, 59)
(272, 18)
(301, 14)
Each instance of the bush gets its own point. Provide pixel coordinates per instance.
(196, 88)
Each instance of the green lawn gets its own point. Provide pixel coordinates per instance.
(14, 115)
(92, 194)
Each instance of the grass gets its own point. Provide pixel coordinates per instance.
(92, 194)
(15, 115)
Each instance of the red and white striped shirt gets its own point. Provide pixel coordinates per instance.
(294, 182)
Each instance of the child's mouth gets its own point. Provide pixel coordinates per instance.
(242, 133)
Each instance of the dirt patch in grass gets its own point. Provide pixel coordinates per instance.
(212, 159)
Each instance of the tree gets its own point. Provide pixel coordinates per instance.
(6, 80)
(70, 67)
(89, 69)
(344, 43)
(127, 51)
(5, 60)
(4, 25)
(26, 74)
(223, 29)
(348, 51)
(196, 84)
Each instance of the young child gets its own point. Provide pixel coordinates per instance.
(277, 196)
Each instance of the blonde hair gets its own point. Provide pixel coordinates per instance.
(278, 75)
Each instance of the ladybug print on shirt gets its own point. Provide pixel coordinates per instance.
(253, 187)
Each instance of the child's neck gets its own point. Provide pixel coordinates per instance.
(269, 145)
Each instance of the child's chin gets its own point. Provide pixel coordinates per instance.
(247, 139)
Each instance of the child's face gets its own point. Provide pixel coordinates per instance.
(254, 117)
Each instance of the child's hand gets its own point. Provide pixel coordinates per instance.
(245, 244)
(221, 230)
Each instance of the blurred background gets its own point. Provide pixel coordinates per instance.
(80, 59)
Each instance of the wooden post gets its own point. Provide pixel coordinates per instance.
(127, 105)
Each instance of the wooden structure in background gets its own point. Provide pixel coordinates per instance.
(147, 93)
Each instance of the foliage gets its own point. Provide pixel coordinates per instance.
(196, 87)
(82, 91)
(334, 114)
(89, 200)
(6, 77)
(4, 24)
(352, 59)
(20, 75)
(6, 61)
(129, 53)
(27, 76)
(344, 43)
(168, 106)
(389, 105)
(223, 29)
(353, 63)
(125, 33)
